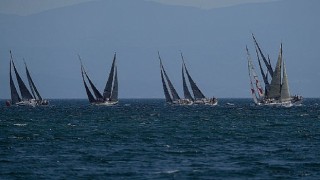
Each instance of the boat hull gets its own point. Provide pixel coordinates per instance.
(31, 102)
(206, 101)
(183, 102)
(294, 101)
(188, 102)
(42, 102)
(106, 103)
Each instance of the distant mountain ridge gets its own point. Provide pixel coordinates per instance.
(23, 8)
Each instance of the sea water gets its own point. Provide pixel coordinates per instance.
(147, 139)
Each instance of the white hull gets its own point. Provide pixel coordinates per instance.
(106, 103)
(212, 103)
(294, 101)
(33, 103)
(183, 102)
(277, 104)
(187, 102)
(27, 103)
(206, 101)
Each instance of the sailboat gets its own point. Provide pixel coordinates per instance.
(276, 92)
(110, 93)
(27, 99)
(170, 92)
(199, 97)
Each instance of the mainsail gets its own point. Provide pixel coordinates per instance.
(14, 93)
(275, 86)
(186, 91)
(165, 88)
(196, 91)
(253, 91)
(114, 94)
(285, 93)
(96, 92)
(253, 78)
(93, 87)
(264, 75)
(263, 57)
(89, 94)
(33, 88)
(108, 88)
(173, 91)
(25, 94)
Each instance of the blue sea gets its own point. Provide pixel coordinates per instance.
(147, 139)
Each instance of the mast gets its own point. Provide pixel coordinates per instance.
(25, 94)
(285, 93)
(275, 86)
(33, 88)
(173, 91)
(114, 95)
(196, 91)
(14, 93)
(108, 88)
(263, 57)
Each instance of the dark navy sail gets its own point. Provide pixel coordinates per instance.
(14, 93)
(98, 95)
(186, 91)
(95, 90)
(165, 89)
(173, 91)
(264, 75)
(33, 88)
(25, 94)
(114, 95)
(269, 67)
(196, 91)
(89, 94)
(108, 89)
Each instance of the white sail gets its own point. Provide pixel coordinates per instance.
(275, 86)
(285, 93)
(253, 91)
(253, 77)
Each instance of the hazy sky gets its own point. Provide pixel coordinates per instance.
(213, 42)
(26, 7)
(209, 4)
